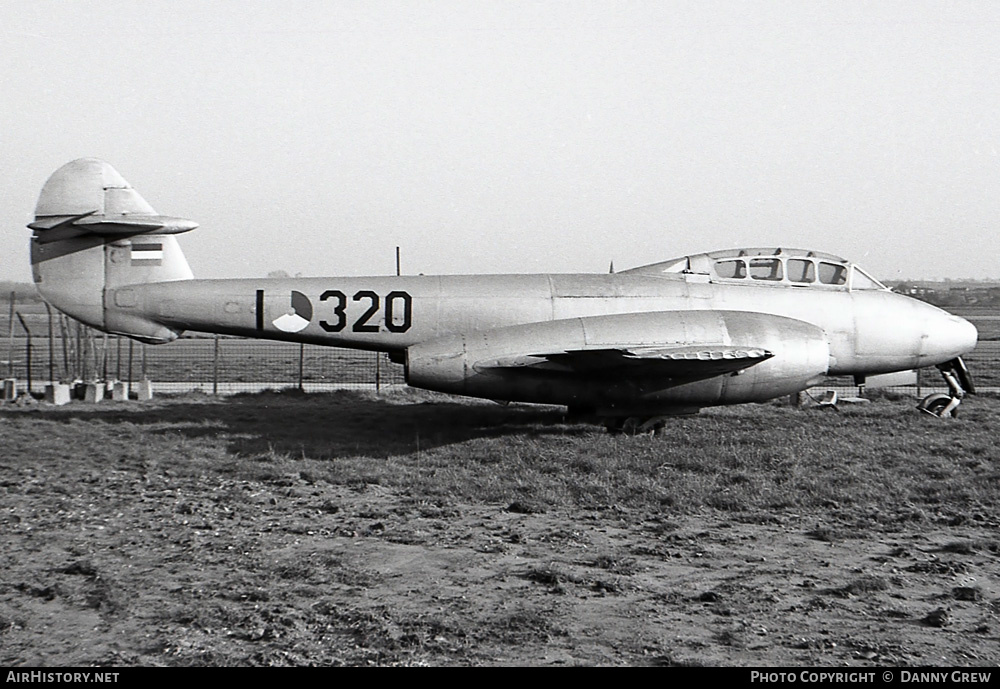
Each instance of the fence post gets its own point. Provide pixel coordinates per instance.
(104, 357)
(10, 336)
(215, 366)
(52, 352)
(64, 336)
(131, 352)
(28, 353)
(93, 351)
(81, 361)
(302, 356)
(378, 373)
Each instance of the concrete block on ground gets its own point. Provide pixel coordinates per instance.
(119, 391)
(9, 389)
(145, 390)
(94, 393)
(57, 393)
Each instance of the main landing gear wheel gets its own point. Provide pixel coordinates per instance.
(635, 425)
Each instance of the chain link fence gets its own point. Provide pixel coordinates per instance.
(44, 346)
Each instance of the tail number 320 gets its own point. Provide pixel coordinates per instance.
(396, 311)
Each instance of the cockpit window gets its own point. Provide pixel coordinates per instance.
(801, 270)
(765, 268)
(731, 269)
(678, 266)
(862, 280)
(832, 273)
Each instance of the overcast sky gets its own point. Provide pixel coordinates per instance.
(508, 136)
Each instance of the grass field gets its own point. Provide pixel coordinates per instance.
(421, 529)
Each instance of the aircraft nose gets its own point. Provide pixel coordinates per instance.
(949, 337)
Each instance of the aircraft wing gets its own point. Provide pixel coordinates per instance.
(628, 358)
(694, 362)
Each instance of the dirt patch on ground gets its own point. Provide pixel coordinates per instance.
(118, 560)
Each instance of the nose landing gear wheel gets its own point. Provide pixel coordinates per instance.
(937, 405)
(956, 375)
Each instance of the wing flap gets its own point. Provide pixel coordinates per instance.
(675, 361)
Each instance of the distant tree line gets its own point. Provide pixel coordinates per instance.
(24, 292)
(951, 293)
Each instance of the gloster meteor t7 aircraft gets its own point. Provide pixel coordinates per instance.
(725, 327)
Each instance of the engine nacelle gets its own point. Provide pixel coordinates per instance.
(455, 364)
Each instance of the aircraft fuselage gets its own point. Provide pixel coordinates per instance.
(868, 331)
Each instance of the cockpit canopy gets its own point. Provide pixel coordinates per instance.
(795, 267)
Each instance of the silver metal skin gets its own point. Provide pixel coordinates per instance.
(717, 328)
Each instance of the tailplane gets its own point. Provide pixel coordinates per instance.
(93, 233)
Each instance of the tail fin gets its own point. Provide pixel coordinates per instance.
(93, 233)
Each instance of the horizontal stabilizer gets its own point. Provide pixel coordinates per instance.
(105, 226)
(87, 196)
(53, 221)
(693, 362)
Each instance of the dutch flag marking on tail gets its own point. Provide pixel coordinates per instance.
(147, 254)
